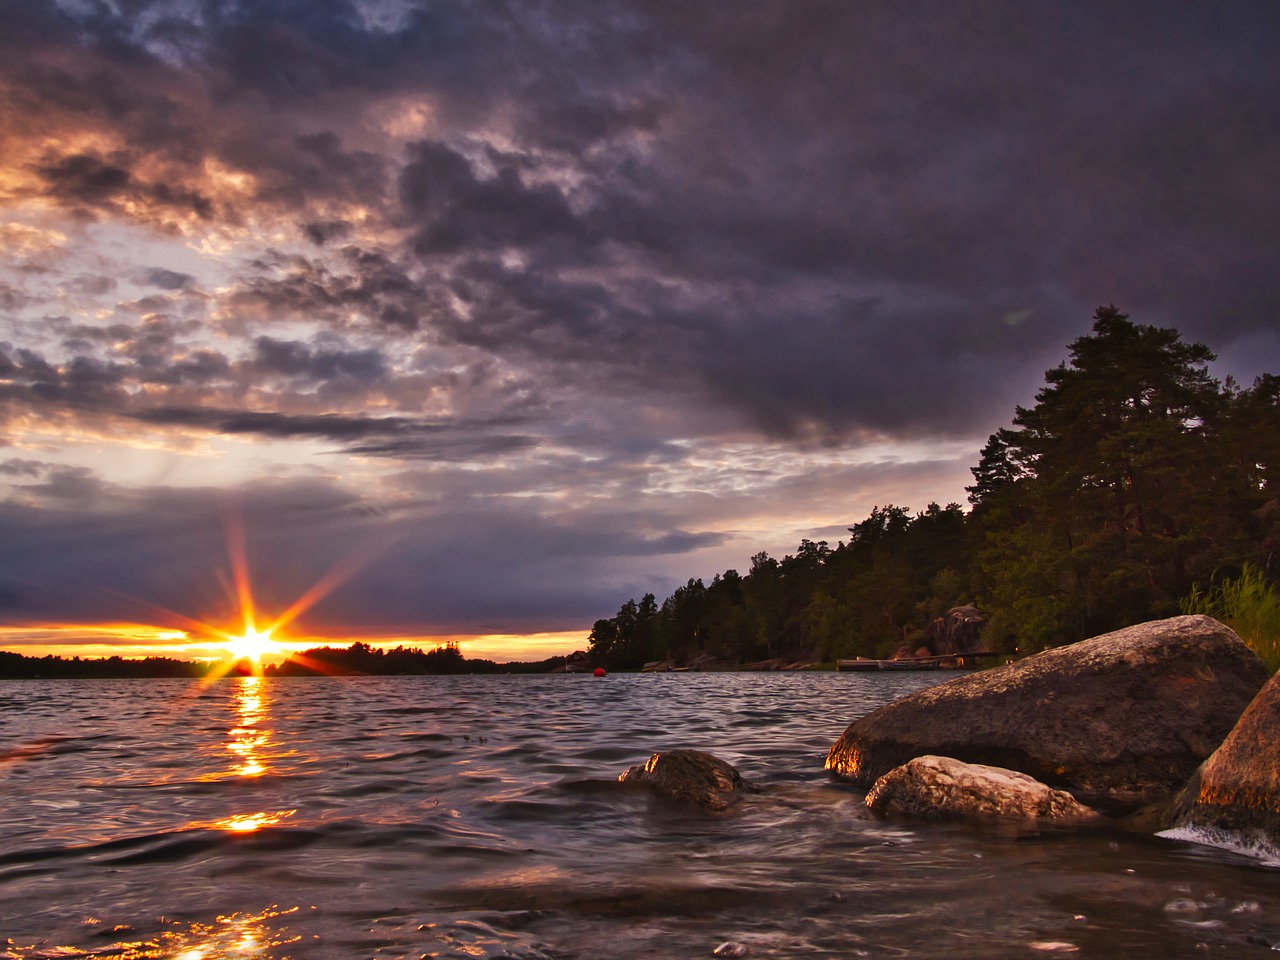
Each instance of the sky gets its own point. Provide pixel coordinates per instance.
(426, 320)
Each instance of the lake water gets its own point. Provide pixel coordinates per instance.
(480, 817)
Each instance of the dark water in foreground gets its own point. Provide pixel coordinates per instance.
(479, 817)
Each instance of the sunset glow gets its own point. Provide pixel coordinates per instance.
(443, 341)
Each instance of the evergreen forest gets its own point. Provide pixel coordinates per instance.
(1135, 480)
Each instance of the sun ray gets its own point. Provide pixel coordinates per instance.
(335, 577)
(244, 644)
(238, 553)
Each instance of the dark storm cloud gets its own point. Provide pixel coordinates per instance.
(398, 437)
(321, 232)
(103, 390)
(434, 571)
(957, 163)
(373, 286)
(11, 298)
(199, 367)
(86, 178)
(92, 285)
(19, 467)
(458, 211)
(89, 180)
(83, 383)
(301, 360)
(824, 221)
(167, 279)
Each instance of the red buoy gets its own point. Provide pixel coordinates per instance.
(599, 671)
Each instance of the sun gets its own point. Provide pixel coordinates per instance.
(251, 645)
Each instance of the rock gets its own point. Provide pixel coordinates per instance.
(958, 632)
(690, 778)
(1118, 720)
(940, 787)
(1233, 800)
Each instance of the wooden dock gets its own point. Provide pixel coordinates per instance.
(946, 661)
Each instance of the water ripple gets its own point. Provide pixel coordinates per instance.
(319, 818)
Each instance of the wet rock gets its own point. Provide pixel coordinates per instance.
(1233, 800)
(690, 778)
(1118, 720)
(940, 787)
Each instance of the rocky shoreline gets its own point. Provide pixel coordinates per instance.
(1170, 725)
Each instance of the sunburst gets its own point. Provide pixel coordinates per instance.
(252, 645)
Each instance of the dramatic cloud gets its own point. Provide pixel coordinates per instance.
(561, 302)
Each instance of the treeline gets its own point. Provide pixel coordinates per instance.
(359, 659)
(1134, 478)
(17, 666)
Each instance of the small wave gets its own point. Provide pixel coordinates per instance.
(53, 745)
(419, 737)
(186, 846)
(589, 787)
(169, 847)
(549, 890)
(466, 939)
(620, 754)
(398, 756)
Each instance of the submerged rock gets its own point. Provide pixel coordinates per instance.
(690, 778)
(1118, 720)
(1233, 800)
(941, 787)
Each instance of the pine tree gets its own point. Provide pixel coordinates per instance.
(1109, 489)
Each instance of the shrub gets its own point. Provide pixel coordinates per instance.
(1249, 605)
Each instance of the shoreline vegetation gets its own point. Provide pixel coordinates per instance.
(357, 660)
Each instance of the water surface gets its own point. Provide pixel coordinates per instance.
(480, 817)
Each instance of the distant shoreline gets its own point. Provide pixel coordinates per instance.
(354, 661)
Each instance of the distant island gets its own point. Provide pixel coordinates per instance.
(359, 659)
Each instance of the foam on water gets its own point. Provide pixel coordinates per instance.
(1254, 846)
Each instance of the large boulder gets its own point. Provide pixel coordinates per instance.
(945, 788)
(1233, 800)
(1118, 720)
(690, 778)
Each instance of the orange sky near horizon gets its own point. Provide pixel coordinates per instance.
(135, 642)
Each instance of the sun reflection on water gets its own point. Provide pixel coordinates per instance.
(236, 935)
(249, 738)
(249, 822)
(253, 752)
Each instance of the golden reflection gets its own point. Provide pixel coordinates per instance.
(250, 744)
(249, 738)
(250, 822)
(252, 751)
(237, 935)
